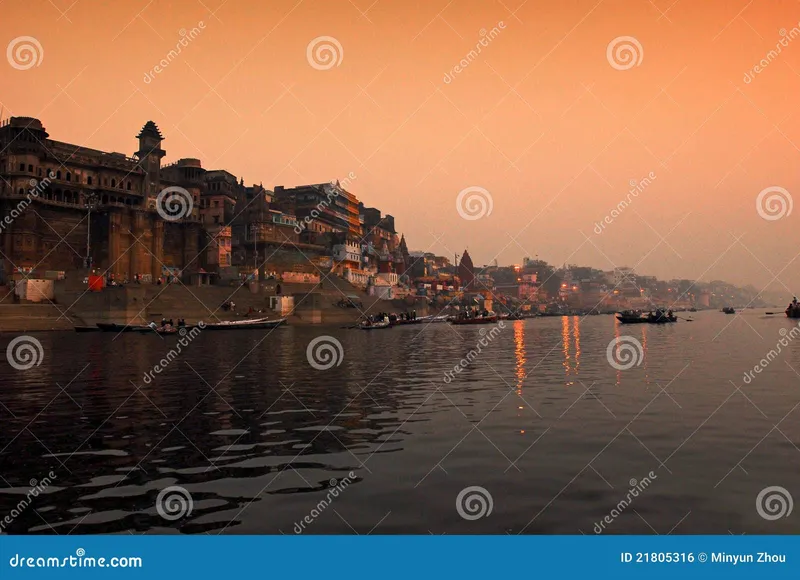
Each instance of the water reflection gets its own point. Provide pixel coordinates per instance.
(255, 434)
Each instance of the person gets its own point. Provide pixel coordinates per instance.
(277, 289)
(170, 322)
(163, 321)
(181, 322)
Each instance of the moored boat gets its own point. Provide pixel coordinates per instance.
(729, 310)
(87, 329)
(476, 320)
(367, 325)
(114, 327)
(252, 324)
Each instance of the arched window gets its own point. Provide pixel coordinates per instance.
(21, 191)
(113, 183)
(129, 186)
(89, 180)
(58, 175)
(69, 176)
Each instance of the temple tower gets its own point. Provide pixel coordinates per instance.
(150, 154)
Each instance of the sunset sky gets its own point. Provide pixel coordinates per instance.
(540, 119)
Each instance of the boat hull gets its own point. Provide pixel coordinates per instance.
(254, 325)
(114, 327)
(375, 326)
(480, 320)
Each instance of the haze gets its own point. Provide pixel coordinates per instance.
(540, 118)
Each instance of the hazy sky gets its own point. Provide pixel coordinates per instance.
(543, 119)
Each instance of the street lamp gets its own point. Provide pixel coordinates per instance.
(90, 204)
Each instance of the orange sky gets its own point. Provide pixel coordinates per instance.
(540, 119)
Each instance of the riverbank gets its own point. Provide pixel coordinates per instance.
(306, 304)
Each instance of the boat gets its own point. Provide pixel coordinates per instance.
(693, 309)
(87, 329)
(401, 321)
(251, 324)
(636, 317)
(729, 310)
(631, 317)
(114, 327)
(793, 311)
(477, 320)
(431, 319)
(367, 325)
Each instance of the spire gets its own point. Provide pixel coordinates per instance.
(150, 129)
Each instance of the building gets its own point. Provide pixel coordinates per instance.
(59, 194)
(322, 208)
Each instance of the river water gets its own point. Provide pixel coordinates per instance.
(539, 426)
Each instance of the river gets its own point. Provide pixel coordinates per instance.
(537, 433)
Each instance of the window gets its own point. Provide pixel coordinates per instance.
(21, 191)
(216, 219)
(58, 175)
(69, 176)
(39, 171)
(22, 167)
(113, 183)
(30, 168)
(129, 186)
(216, 203)
(89, 180)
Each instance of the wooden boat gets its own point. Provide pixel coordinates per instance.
(252, 324)
(87, 329)
(793, 311)
(729, 310)
(114, 327)
(635, 317)
(365, 325)
(430, 319)
(399, 322)
(662, 318)
(476, 320)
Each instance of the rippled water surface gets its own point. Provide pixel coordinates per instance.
(263, 442)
